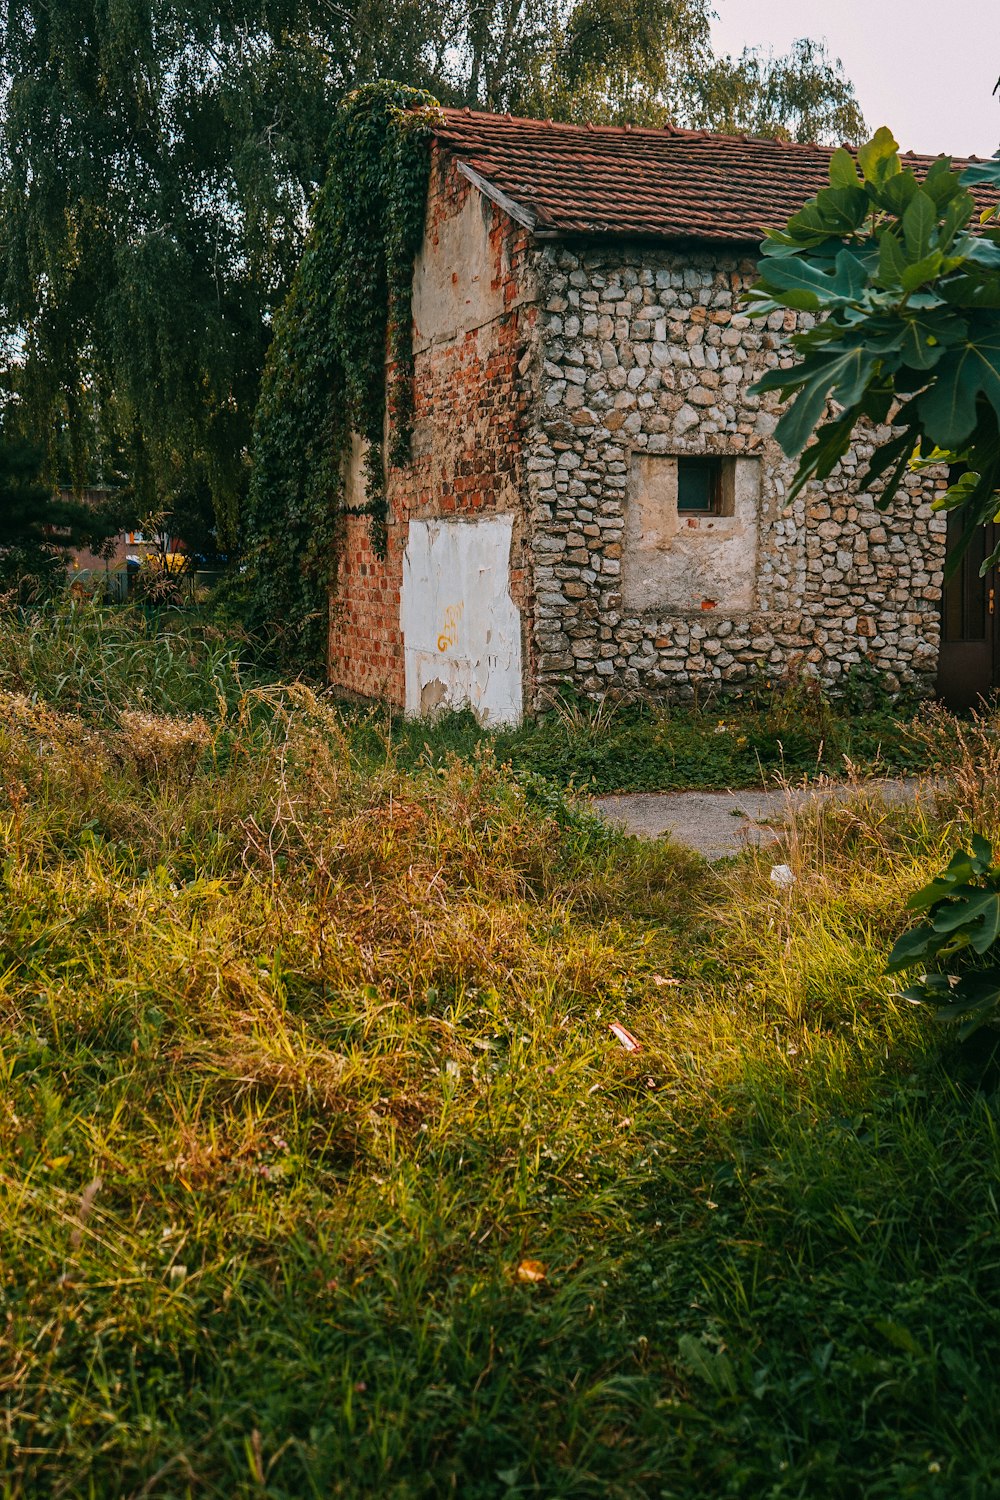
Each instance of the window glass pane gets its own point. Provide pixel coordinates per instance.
(696, 483)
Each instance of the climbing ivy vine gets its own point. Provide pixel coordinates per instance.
(326, 371)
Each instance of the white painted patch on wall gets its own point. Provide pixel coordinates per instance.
(461, 628)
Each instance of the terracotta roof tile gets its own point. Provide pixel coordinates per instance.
(611, 180)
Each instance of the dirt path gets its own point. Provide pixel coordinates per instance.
(722, 823)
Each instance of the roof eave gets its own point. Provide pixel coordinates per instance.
(677, 237)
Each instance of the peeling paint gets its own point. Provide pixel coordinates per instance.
(432, 695)
(461, 628)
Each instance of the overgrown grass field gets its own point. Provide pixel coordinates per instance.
(321, 1173)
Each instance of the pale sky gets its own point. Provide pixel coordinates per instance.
(925, 70)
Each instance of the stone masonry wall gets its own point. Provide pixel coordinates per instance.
(473, 314)
(643, 352)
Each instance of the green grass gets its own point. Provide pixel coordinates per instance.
(772, 734)
(87, 659)
(305, 1053)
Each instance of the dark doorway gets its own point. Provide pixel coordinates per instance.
(969, 660)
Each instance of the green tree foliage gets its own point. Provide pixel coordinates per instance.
(37, 524)
(156, 163)
(600, 60)
(653, 65)
(904, 275)
(800, 97)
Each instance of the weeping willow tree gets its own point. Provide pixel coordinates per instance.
(154, 164)
(157, 161)
(650, 62)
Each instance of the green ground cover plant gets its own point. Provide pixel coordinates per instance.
(775, 731)
(321, 1173)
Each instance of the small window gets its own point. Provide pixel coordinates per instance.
(699, 486)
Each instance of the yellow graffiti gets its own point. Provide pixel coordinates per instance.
(449, 634)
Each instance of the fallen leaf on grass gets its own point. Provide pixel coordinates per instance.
(531, 1270)
(661, 979)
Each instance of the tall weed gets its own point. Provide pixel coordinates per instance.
(94, 659)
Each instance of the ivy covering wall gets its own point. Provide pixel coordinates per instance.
(327, 373)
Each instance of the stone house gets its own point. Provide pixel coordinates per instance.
(595, 498)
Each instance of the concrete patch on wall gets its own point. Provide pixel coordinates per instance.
(461, 628)
(676, 562)
(462, 275)
(453, 279)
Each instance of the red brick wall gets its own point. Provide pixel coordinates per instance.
(366, 646)
(470, 411)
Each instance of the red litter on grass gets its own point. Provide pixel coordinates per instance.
(626, 1038)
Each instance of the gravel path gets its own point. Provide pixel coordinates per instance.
(722, 823)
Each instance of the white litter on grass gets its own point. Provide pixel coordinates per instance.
(626, 1038)
(782, 876)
